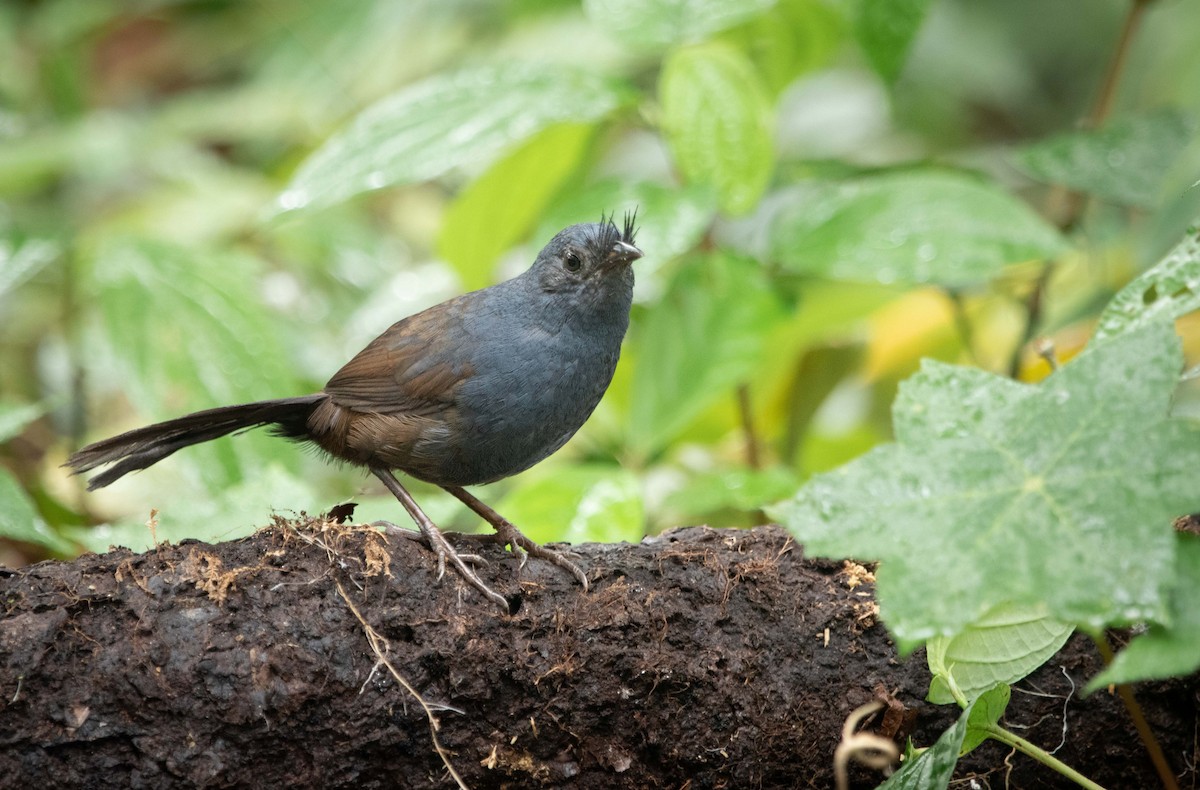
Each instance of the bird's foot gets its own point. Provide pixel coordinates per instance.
(433, 538)
(522, 545)
(507, 532)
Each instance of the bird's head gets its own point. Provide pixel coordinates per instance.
(590, 260)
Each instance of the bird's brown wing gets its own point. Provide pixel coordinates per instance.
(413, 368)
(396, 399)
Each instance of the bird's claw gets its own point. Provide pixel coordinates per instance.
(501, 538)
(523, 547)
(433, 538)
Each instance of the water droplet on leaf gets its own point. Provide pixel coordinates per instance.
(293, 199)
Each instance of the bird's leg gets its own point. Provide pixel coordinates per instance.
(508, 533)
(436, 540)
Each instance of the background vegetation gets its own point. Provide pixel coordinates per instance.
(209, 202)
(829, 191)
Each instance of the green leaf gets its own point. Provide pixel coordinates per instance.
(932, 768)
(31, 161)
(498, 209)
(444, 122)
(19, 519)
(1126, 162)
(908, 227)
(739, 489)
(20, 260)
(794, 37)
(886, 29)
(237, 511)
(670, 220)
(822, 452)
(834, 310)
(702, 339)
(656, 23)
(718, 124)
(577, 504)
(1169, 289)
(1003, 646)
(1169, 650)
(15, 416)
(984, 714)
(180, 316)
(182, 321)
(998, 492)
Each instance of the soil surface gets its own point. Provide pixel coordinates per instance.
(701, 659)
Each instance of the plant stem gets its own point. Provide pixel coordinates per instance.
(1116, 66)
(966, 333)
(1068, 204)
(948, 677)
(1125, 692)
(1033, 315)
(998, 733)
(753, 457)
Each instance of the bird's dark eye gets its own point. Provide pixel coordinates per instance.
(572, 262)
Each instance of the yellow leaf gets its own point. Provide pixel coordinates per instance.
(907, 329)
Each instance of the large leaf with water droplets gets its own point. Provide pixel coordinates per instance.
(1127, 162)
(1060, 493)
(660, 22)
(1169, 289)
(446, 121)
(717, 120)
(1166, 650)
(911, 227)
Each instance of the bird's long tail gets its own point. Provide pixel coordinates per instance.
(143, 447)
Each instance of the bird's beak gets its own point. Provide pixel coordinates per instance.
(624, 252)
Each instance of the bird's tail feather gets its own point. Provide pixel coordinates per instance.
(143, 447)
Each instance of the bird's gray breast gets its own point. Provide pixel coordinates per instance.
(537, 378)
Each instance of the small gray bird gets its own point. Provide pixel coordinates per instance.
(467, 392)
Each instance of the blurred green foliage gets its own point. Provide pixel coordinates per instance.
(204, 202)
